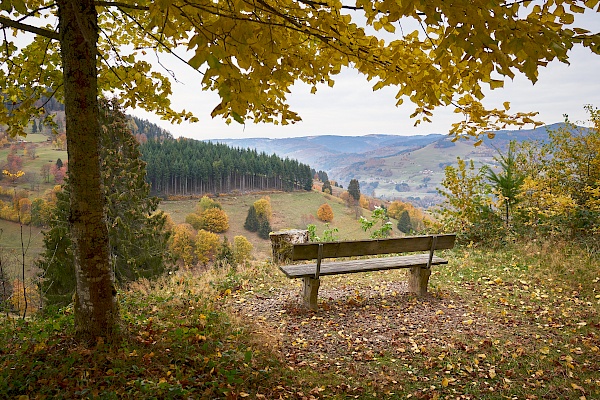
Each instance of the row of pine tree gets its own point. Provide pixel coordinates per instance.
(191, 167)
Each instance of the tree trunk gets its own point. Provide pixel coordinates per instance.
(96, 307)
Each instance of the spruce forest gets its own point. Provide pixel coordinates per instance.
(190, 167)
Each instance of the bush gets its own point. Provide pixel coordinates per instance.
(224, 255)
(206, 203)
(182, 244)
(325, 213)
(242, 249)
(206, 246)
(263, 208)
(194, 220)
(214, 220)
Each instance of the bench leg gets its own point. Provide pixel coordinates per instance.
(310, 292)
(418, 280)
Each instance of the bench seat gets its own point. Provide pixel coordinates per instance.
(361, 265)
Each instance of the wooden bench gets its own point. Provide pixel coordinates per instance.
(419, 264)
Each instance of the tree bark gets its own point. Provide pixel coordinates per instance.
(96, 307)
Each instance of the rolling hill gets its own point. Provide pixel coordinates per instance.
(390, 166)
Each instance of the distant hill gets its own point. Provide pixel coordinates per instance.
(390, 166)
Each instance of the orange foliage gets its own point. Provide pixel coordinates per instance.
(325, 213)
(364, 202)
(416, 215)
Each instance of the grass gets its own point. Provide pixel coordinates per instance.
(516, 323)
(290, 211)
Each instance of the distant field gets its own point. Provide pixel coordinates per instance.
(10, 247)
(44, 153)
(290, 211)
(414, 168)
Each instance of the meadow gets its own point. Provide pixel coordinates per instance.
(290, 211)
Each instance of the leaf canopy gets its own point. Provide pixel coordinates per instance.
(252, 51)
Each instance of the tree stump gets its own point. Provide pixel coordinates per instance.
(282, 241)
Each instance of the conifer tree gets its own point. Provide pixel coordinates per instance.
(404, 224)
(251, 223)
(354, 189)
(137, 237)
(264, 228)
(327, 187)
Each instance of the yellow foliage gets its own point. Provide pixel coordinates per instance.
(18, 297)
(214, 220)
(182, 243)
(206, 246)
(263, 208)
(396, 208)
(206, 203)
(242, 249)
(194, 220)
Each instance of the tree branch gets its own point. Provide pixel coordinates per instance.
(7, 22)
(120, 4)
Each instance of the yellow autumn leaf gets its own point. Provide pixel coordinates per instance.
(576, 387)
(545, 350)
(445, 382)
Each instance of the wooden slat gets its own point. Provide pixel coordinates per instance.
(309, 251)
(353, 266)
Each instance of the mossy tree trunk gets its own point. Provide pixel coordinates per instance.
(96, 308)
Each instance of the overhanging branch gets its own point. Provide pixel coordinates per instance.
(7, 22)
(120, 4)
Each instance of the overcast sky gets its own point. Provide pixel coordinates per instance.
(351, 107)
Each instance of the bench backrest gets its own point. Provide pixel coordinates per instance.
(355, 248)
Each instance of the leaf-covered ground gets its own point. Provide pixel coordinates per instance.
(516, 323)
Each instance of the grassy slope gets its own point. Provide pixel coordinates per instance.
(44, 154)
(290, 211)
